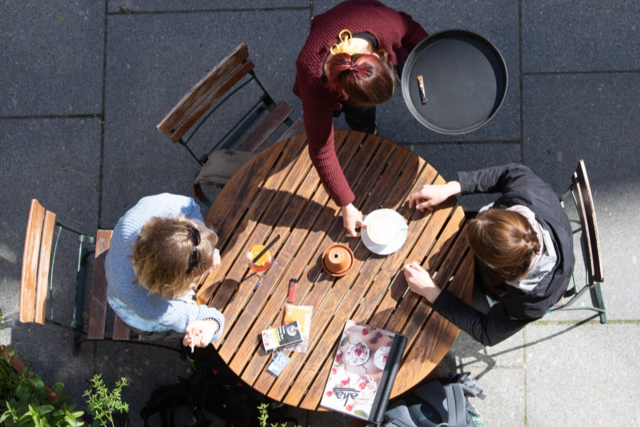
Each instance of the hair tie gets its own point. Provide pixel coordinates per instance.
(354, 67)
(344, 46)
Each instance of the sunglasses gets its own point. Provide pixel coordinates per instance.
(195, 241)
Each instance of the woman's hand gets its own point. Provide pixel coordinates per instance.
(432, 195)
(200, 333)
(216, 259)
(351, 219)
(420, 281)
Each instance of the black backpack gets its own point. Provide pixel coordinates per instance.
(212, 387)
(441, 402)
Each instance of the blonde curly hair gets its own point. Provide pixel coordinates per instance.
(160, 257)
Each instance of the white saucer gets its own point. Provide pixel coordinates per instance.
(390, 247)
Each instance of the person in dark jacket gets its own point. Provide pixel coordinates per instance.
(523, 249)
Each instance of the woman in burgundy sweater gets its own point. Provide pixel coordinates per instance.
(337, 73)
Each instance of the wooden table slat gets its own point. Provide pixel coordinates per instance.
(239, 268)
(263, 232)
(322, 287)
(436, 338)
(346, 308)
(290, 201)
(278, 296)
(445, 272)
(239, 238)
(284, 254)
(395, 293)
(409, 302)
(360, 161)
(229, 207)
(381, 297)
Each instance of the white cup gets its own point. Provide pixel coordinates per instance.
(382, 229)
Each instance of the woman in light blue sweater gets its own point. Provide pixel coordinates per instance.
(159, 249)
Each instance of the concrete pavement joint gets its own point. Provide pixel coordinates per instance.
(521, 82)
(524, 368)
(526, 345)
(486, 142)
(570, 73)
(165, 12)
(590, 322)
(57, 116)
(102, 126)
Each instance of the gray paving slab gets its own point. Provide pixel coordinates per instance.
(578, 35)
(468, 353)
(155, 59)
(504, 404)
(52, 57)
(56, 161)
(129, 6)
(584, 375)
(497, 22)
(590, 117)
(448, 159)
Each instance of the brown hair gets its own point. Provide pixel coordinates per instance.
(160, 256)
(504, 240)
(367, 79)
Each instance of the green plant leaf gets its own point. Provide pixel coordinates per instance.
(36, 382)
(45, 409)
(22, 392)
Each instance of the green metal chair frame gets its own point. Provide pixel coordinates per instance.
(580, 193)
(36, 288)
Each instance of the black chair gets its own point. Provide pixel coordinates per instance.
(227, 155)
(580, 192)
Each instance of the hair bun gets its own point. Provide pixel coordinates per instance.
(531, 239)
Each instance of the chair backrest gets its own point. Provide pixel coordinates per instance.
(210, 89)
(36, 263)
(587, 214)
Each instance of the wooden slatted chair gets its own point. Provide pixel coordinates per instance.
(36, 287)
(229, 153)
(580, 192)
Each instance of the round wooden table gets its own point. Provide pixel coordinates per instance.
(278, 192)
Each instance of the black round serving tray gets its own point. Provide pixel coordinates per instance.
(465, 80)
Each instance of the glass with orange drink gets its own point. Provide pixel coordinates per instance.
(265, 263)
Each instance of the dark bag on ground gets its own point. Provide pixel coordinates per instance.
(441, 402)
(212, 388)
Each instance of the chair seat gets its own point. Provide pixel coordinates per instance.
(221, 166)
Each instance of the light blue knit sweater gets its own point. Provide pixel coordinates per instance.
(133, 303)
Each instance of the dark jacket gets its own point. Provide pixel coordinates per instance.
(515, 307)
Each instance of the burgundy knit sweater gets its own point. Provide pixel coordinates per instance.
(396, 33)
